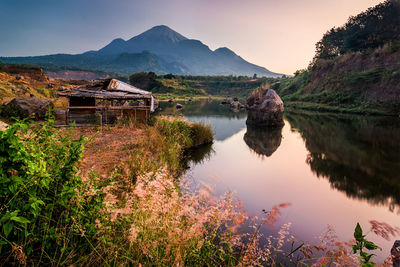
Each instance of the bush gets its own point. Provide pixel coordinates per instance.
(200, 134)
(45, 214)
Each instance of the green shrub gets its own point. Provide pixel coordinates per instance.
(200, 134)
(45, 214)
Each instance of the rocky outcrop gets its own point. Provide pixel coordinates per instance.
(265, 109)
(32, 107)
(23, 72)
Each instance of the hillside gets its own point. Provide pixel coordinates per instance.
(160, 50)
(357, 66)
(188, 85)
(23, 81)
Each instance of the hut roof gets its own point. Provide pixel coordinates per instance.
(107, 89)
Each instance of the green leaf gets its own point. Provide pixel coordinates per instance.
(370, 245)
(20, 219)
(7, 228)
(367, 264)
(358, 233)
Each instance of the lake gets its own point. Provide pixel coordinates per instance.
(335, 170)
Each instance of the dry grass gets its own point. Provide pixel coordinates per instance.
(106, 148)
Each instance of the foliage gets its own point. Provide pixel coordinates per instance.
(10, 111)
(45, 214)
(362, 243)
(371, 29)
(148, 81)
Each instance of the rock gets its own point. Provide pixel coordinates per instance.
(18, 77)
(179, 106)
(236, 106)
(265, 109)
(395, 251)
(24, 89)
(30, 107)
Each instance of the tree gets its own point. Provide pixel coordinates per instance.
(370, 29)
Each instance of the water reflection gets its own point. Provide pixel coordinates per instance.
(358, 155)
(197, 155)
(263, 141)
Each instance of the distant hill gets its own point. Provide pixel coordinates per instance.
(357, 65)
(160, 50)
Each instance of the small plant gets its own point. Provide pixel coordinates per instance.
(362, 243)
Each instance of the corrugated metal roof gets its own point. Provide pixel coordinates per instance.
(110, 89)
(117, 85)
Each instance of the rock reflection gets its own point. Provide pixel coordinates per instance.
(359, 155)
(263, 141)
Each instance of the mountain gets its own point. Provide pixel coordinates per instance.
(160, 49)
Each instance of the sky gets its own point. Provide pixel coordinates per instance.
(277, 34)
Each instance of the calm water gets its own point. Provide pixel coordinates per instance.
(334, 170)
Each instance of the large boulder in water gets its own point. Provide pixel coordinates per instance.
(265, 108)
(25, 107)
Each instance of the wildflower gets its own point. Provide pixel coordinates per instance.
(18, 254)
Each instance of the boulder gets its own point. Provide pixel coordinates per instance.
(29, 107)
(265, 109)
(236, 106)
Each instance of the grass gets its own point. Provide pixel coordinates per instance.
(334, 109)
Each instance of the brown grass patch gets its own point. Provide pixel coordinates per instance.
(106, 148)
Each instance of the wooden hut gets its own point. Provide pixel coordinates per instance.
(105, 101)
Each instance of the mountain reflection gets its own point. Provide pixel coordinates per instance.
(358, 155)
(263, 141)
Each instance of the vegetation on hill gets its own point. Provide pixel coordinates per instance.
(356, 66)
(189, 85)
(365, 32)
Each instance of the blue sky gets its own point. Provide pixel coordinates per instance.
(277, 34)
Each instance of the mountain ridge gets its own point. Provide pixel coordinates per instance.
(159, 49)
